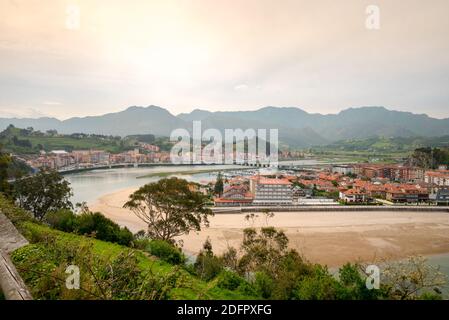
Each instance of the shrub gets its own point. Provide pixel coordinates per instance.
(263, 284)
(229, 280)
(319, 286)
(141, 244)
(43, 265)
(89, 223)
(102, 228)
(64, 220)
(14, 214)
(430, 296)
(207, 267)
(166, 252)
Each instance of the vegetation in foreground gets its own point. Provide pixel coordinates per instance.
(115, 264)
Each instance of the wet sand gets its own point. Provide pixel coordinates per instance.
(331, 238)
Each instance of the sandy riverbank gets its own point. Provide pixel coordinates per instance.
(331, 238)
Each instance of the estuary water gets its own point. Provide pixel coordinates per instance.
(88, 186)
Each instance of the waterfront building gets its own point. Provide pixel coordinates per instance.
(439, 178)
(269, 191)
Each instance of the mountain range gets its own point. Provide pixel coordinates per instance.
(296, 127)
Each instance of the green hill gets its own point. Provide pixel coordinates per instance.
(28, 141)
(386, 144)
(42, 257)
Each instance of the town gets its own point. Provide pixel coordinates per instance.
(357, 184)
(343, 184)
(65, 161)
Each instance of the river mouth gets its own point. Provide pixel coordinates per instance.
(90, 186)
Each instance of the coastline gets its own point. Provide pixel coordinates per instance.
(331, 238)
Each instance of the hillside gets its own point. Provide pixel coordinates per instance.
(40, 253)
(386, 144)
(297, 128)
(27, 141)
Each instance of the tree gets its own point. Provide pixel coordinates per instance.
(44, 192)
(207, 265)
(5, 161)
(218, 189)
(268, 215)
(262, 249)
(404, 280)
(169, 208)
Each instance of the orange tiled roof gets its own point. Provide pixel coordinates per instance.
(438, 174)
(274, 181)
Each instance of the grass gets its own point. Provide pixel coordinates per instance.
(193, 288)
(64, 142)
(36, 141)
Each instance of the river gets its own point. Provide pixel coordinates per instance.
(88, 186)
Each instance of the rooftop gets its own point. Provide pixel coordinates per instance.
(274, 181)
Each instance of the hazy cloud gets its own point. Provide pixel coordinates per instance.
(317, 55)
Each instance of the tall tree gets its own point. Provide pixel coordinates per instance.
(5, 161)
(169, 208)
(219, 185)
(44, 192)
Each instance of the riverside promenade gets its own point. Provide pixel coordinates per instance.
(314, 208)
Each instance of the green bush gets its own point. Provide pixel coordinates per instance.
(207, 266)
(89, 223)
(64, 220)
(229, 280)
(43, 268)
(14, 214)
(263, 284)
(430, 296)
(102, 228)
(141, 244)
(321, 285)
(166, 252)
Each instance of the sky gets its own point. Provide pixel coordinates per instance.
(65, 58)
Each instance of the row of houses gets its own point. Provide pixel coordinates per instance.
(60, 159)
(394, 183)
(292, 189)
(397, 193)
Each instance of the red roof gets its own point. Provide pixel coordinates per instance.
(274, 181)
(354, 192)
(439, 174)
(221, 200)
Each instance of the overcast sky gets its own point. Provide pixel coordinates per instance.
(221, 55)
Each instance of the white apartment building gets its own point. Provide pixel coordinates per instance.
(273, 192)
(343, 169)
(439, 178)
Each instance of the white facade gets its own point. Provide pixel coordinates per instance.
(343, 169)
(273, 193)
(439, 178)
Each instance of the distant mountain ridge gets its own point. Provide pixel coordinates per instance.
(296, 126)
